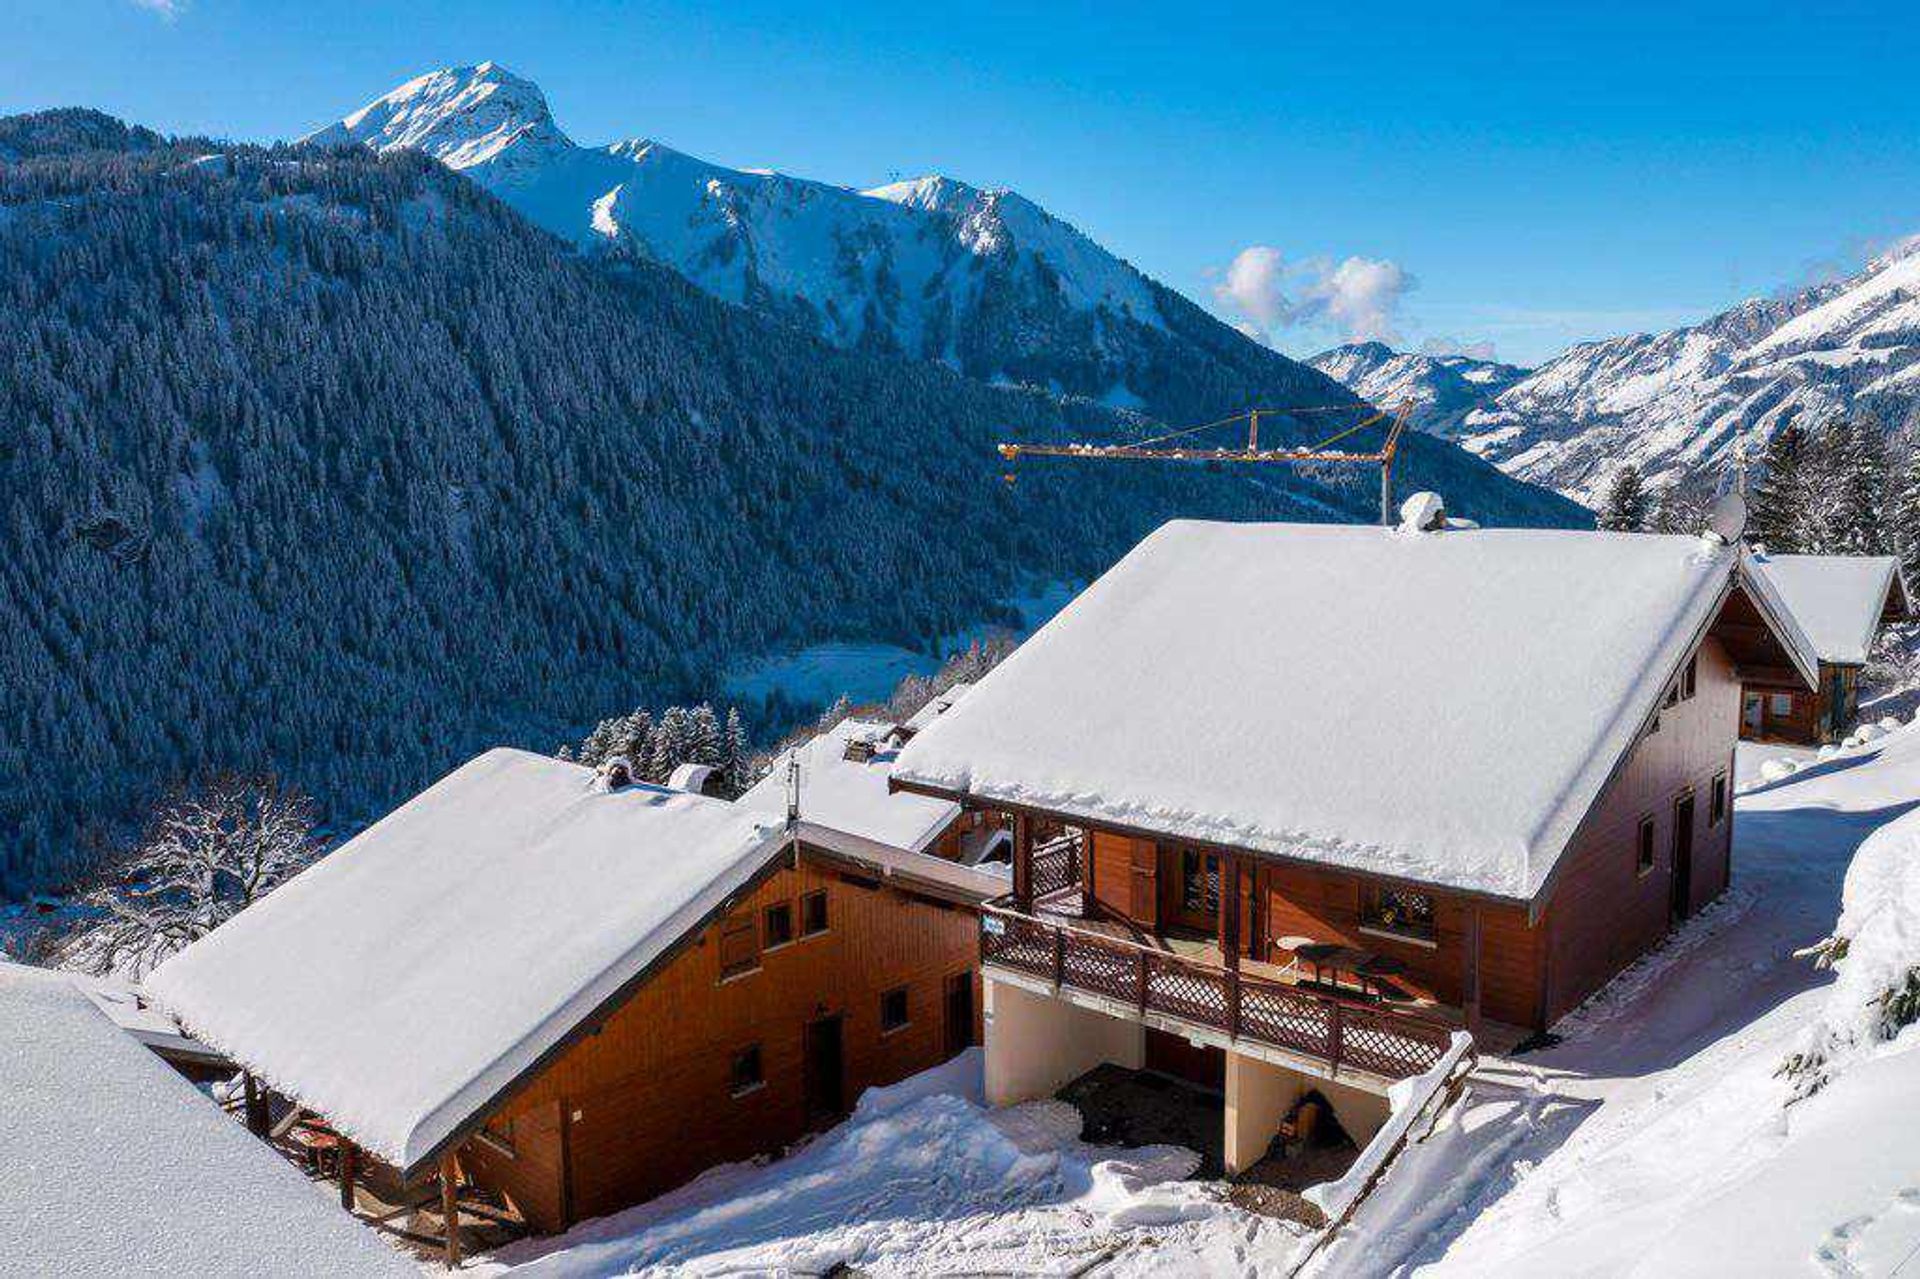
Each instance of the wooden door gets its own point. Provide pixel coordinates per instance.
(1193, 888)
(1144, 901)
(825, 1072)
(1200, 1064)
(1682, 857)
(959, 1013)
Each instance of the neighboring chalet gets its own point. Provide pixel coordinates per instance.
(112, 1164)
(844, 786)
(561, 992)
(1334, 792)
(1841, 602)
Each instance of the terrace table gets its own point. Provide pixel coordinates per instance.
(1325, 955)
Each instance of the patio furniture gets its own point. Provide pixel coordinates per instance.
(1376, 969)
(1326, 955)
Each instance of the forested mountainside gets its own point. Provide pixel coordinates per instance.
(330, 462)
(1683, 405)
(1442, 389)
(986, 282)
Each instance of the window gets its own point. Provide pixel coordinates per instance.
(1780, 704)
(779, 924)
(813, 913)
(1396, 910)
(1689, 678)
(739, 948)
(893, 1010)
(1199, 882)
(1717, 803)
(745, 1074)
(1673, 695)
(1643, 852)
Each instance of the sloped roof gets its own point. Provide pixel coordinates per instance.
(400, 984)
(1837, 599)
(1441, 707)
(853, 795)
(111, 1163)
(937, 706)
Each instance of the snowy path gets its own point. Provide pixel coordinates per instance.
(1623, 1149)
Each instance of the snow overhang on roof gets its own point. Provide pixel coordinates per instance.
(401, 986)
(1839, 601)
(1437, 707)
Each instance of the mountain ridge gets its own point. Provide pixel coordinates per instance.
(1442, 389)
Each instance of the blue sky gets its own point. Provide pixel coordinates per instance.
(1521, 176)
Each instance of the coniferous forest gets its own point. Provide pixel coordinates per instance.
(329, 464)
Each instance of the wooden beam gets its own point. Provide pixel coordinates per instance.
(1023, 862)
(450, 1207)
(1089, 894)
(1229, 910)
(1470, 979)
(349, 1159)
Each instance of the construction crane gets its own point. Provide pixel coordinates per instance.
(1154, 449)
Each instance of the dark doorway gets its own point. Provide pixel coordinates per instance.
(959, 1013)
(825, 1072)
(1682, 857)
(1199, 1064)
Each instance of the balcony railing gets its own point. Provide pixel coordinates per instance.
(1340, 1032)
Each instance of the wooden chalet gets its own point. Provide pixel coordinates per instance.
(1295, 803)
(1841, 602)
(559, 995)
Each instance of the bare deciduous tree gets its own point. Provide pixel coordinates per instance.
(208, 851)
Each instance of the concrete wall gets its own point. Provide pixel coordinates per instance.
(1259, 1095)
(1037, 1044)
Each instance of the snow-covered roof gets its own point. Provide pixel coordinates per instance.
(852, 794)
(1441, 707)
(126, 1008)
(401, 983)
(1837, 599)
(111, 1163)
(937, 706)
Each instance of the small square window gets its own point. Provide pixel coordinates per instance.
(1643, 854)
(1717, 805)
(893, 1009)
(1689, 678)
(779, 925)
(1780, 705)
(813, 913)
(746, 1074)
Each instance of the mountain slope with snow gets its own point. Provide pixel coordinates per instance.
(1685, 404)
(986, 282)
(1443, 389)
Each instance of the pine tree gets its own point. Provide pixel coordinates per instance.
(1625, 510)
(1864, 481)
(1905, 515)
(703, 737)
(634, 737)
(670, 740)
(735, 756)
(1778, 500)
(1678, 511)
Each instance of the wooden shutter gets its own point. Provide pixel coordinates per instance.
(739, 947)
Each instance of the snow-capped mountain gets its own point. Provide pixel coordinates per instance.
(1686, 404)
(1443, 389)
(986, 282)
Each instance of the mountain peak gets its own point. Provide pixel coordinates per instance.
(462, 116)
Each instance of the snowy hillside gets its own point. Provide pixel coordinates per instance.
(1685, 404)
(1443, 389)
(985, 282)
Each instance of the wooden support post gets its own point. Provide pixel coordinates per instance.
(1229, 939)
(1089, 894)
(450, 1207)
(349, 1161)
(1470, 980)
(257, 1121)
(1023, 862)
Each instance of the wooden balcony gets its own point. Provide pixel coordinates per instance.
(1333, 1031)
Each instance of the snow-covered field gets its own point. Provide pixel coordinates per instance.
(1657, 1138)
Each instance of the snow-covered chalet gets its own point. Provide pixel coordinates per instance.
(1292, 804)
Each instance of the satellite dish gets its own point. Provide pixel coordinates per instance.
(1727, 517)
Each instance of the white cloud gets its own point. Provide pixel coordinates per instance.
(1358, 298)
(1454, 346)
(167, 9)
